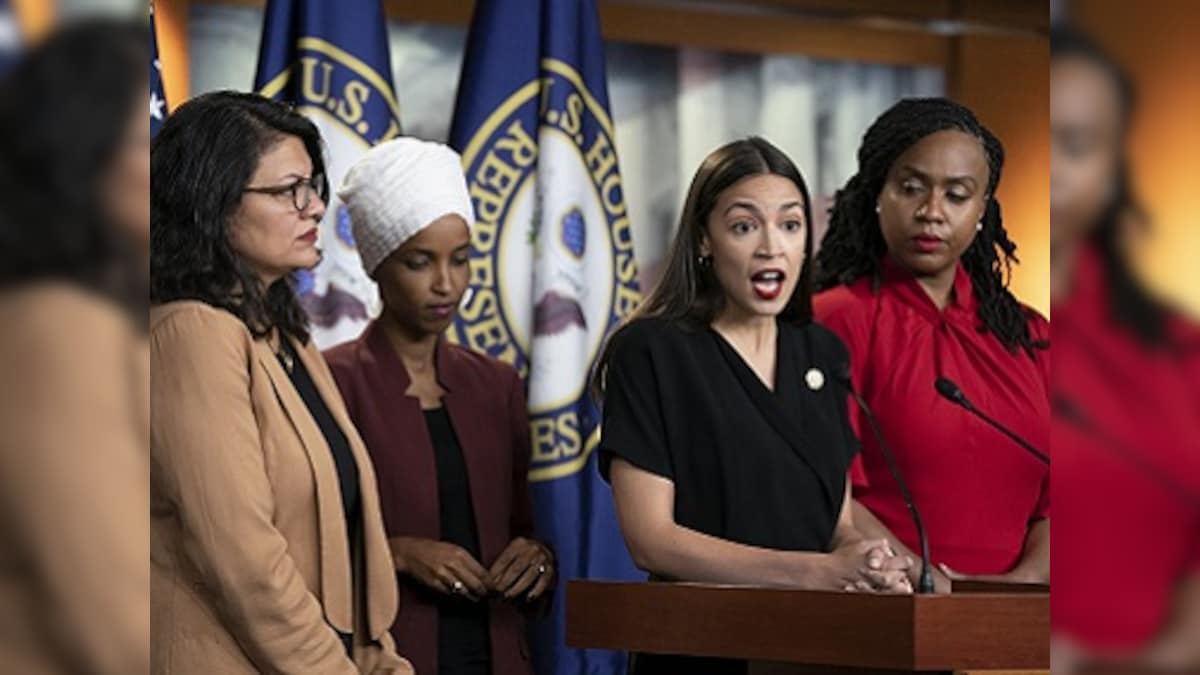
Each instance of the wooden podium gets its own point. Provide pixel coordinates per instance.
(793, 631)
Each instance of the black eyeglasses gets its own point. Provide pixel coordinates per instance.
(302, 191)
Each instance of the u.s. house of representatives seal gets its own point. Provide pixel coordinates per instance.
(354, 108)
(553, 267)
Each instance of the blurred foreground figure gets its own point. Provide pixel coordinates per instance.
(1126, 395)
(74, 411)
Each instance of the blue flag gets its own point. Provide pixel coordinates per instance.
(330, 59)
(10, 36)
(552, 270)
(158, 97)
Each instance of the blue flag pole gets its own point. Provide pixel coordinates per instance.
(552, 270)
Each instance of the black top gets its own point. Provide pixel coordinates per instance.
(343, 458)
(751, 465)
(759, 467)
(463, 645)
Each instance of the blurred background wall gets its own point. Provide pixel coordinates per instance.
(688, 75)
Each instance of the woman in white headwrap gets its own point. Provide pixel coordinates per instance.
(446, 427)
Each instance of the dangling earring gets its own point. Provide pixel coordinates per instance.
(979, 226)
(704, 260)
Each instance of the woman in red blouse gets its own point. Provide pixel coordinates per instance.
(1127, 398)
(914, 277)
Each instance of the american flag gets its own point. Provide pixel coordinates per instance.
(158, 99)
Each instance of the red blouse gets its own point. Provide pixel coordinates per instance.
(1127, 529)
(977, 490)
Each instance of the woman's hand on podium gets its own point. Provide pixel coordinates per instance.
(1017, 576)
(869, 566)
(941, 582)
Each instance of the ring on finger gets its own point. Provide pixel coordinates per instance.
(458, 586)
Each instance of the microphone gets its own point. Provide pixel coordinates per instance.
(1066, 409)
(951, 392)
(925, 581)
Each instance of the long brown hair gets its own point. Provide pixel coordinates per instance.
(688, 292)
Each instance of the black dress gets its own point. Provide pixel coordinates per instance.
(339, 446)
(754, 466)
(463, 642)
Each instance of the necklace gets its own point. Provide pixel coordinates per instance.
(285, 358)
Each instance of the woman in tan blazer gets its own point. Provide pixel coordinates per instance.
(268, 551)
(75, 409)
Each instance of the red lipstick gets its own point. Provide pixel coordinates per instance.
(927, 243)
(768, 283)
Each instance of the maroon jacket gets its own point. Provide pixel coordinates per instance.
(485, 400)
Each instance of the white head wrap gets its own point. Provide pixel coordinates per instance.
(396, 189)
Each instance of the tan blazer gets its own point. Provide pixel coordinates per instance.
(74, 485)
(250, 562)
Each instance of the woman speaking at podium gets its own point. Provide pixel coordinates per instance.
(912, 270)
(725, 432)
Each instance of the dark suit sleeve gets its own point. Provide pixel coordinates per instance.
(633, 421)
(838, 360)
(340, 367)
(518, 425)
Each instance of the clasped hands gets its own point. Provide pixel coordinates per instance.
(523, 571)
(869, 566)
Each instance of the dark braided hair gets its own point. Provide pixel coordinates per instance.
(853, 246)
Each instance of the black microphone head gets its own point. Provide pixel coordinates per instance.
(946, 387)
